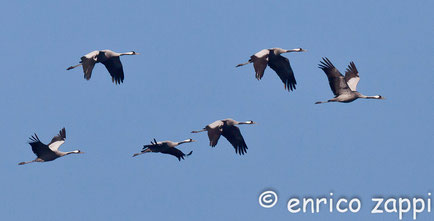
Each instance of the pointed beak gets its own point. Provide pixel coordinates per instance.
(136, 53)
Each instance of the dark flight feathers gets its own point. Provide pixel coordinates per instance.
(38, 147)
(336, 80)
(233, 135)
(60, 137)
(283, 69)
(114, 66)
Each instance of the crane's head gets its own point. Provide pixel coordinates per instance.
(189, 140)
(77, 151)
(296, 50)
(129, 53)
(278, 51)
(248, 122)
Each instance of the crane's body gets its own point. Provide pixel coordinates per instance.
(166, 147)
(51, 151)
(226, 127)
(343, 87)
(109, 58)
(273, 58)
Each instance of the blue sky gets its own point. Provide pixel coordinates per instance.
(185, 78)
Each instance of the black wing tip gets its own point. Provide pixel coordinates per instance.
(241, 149)
(34, 139)
(353, 68)
(117, 81)
(184, 155)
(290, 85)
(62, 133)
(325, 64)
(153, 143)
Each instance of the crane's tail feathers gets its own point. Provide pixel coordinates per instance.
(72, 67)
(239, 65)
(198, 131)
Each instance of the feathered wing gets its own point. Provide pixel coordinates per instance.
(58, 140)
(233, 135)
(176, 152)
(153, 146)
(352, 76)
(214, 131)
(283, 69)
(114, 67)
(259, 64)
(336, 79)
(214, 136)
(38, 148)
(260, 60)
(88, 62)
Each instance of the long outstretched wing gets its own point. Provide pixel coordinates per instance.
(114, 67)
(283, 69)
(58, 140)
(88, 62)
(214, 131)
(352, 76)
(233, 135)
(38, 148)
(336, 79)
(260, 61)
(176, 152)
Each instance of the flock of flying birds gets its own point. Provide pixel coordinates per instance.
(343, 87)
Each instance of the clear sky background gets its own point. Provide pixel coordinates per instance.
(184, 79)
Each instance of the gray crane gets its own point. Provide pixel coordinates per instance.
(344, 88)
(166, 147)
(229, 130)
(109, 58)
(51, 151)
(273, 58)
